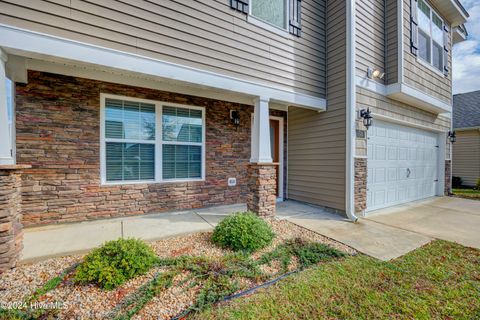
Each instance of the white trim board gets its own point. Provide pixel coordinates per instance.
(33, 42)
(281, 151)
(405, 93)
(351, 102)
(381, 117)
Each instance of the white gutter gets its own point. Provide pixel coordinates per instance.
(465, 128)
(350, 114)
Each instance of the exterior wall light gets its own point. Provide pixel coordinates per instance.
(367, 117)
(452, 136)
(375, 73)
(235, 117)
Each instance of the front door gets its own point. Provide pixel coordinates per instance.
(275, 149)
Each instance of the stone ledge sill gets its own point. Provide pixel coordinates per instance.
(265, 164)
(14, 166)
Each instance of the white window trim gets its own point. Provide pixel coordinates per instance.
(270, 26)
(158, 142)
(429, 64)
(12, 128)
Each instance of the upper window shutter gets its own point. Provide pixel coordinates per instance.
(240, 5)
(445, 50)
(413, 27)
(295, 23)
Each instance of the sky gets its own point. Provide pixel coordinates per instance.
(466, 54)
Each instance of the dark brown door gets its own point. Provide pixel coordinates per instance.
(275, 147)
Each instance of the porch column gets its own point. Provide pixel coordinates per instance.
(262, 172)
(11, 234)
(261, 152)
(5, 139)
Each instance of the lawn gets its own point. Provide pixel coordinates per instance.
(467, 193)
(438, 281)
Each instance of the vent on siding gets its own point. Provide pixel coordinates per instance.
(240, 5)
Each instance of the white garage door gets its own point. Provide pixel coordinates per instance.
(402, 164)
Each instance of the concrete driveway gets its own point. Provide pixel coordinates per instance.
(389, 233)
(446, 218)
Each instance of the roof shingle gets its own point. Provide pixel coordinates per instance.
(466, 110)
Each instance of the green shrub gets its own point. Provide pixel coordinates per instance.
(243, 231)
(116, 262)
(478, 184)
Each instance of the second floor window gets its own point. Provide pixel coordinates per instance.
(271, 11)
(430, 36)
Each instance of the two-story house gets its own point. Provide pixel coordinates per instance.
(141, 106)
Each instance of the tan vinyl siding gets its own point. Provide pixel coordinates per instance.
(205, 34)
(417, 74)
(316, 141)
(391, 54)
(466, 156)
(397, 110)
(370, 35)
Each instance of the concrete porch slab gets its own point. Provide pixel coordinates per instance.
(63, 239)
(216, 214)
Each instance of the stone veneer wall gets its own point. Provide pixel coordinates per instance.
(448, 177)
(58, 128)
(11, 234)
(261, 198)
(360, 185)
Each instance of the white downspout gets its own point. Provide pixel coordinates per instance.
(350, 114)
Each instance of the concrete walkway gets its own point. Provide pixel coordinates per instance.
(63, 239)
(386, 234)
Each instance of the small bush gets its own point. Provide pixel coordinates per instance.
(243, 231)
(478, 184)
(116, 262)
(456, 182)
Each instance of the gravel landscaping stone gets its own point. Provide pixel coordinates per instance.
(91, 302)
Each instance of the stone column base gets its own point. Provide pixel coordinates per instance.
(262, 185)
(448, 177)
(11, 234)
(360, 185)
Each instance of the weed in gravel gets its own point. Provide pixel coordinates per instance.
(137, 300)
(307, 253)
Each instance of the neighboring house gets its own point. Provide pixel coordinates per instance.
(466, 150)
(133, 107)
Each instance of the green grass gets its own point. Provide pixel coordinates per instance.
(438, 281)
(467, 193)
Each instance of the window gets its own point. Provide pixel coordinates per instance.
(271, 11)
(430, 36)
(147, 141)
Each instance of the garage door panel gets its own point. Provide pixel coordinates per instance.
(402, 164)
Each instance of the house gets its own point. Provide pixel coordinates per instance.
(466, 150)
(124, 108)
